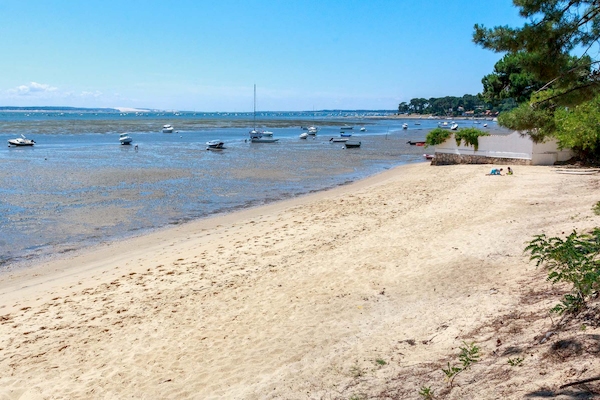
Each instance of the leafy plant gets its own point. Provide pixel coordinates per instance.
(470, 136)
(514, 362)
(426, 393)
(596, 208)
(469, 355)
(379, 361)
(437, 136)
(574, 260)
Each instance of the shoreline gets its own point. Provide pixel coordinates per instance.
(32, 274)
(68, 250)
(295, 298)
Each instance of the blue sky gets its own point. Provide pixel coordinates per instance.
(207, 55)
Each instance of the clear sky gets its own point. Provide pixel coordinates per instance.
(206, 55)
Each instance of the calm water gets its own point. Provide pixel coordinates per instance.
(78, 186)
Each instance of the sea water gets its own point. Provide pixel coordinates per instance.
(78, 186)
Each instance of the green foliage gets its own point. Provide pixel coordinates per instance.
(470, 136)
(596, 208)
(437, 136)
(426, 393)
(554, 28)
(379, 361)
(469, 355)
(510, 80)
(578, 128)
(535, 121)
(574, 260)
(515, 362)
(540, 72)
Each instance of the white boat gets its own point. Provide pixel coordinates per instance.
(363, 129)
(124, 138)
(338, 140)
(215, 145)
(22, 141)
(167, 128)
(303, 135)
(312, 130)
(454, 126)
(258, 136)
(405, 126)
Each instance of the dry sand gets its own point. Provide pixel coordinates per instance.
(364, 291)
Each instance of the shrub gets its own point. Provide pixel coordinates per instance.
(469, 355)
(574, 260)
(470, 136)
(437, 136)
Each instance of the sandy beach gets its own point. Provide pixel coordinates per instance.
(364, 291)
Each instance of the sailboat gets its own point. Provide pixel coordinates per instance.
(312, 130)
(258, 136)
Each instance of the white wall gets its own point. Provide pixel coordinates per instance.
(509, 146)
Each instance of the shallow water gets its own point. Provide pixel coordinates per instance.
(76, 189)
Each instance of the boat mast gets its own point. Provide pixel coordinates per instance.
(255, 107)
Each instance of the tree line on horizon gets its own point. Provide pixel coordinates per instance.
(453, 106)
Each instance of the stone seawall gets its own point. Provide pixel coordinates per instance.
(451, 159)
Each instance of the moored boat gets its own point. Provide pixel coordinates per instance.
(22, 141)
(167, 128)
(351, 145)
(338, 140)
(405, 126)
(258, 136)
(125, 139)
(416, 143)
(215, 145)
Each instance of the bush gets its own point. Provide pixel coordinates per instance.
(574, 260)
(437, 136)
(470, 136)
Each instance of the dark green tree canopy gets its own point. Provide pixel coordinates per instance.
(510, 80)
(545, 44)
